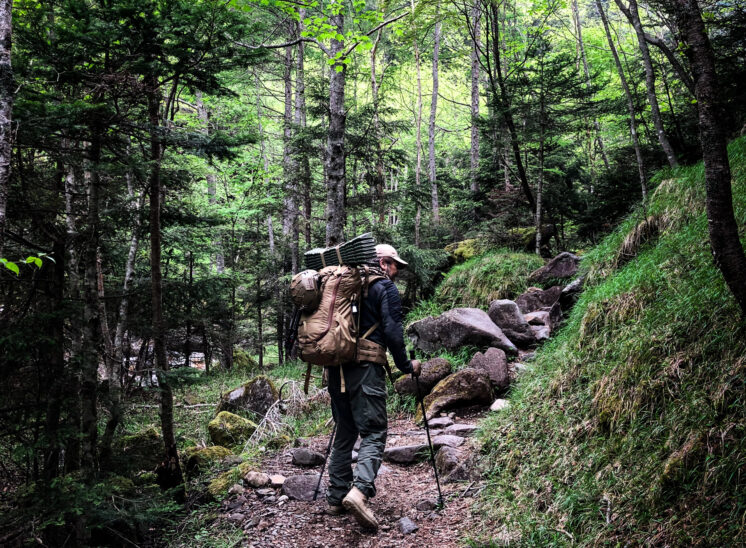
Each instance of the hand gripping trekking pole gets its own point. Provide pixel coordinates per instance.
(427, 430)
(323, 466)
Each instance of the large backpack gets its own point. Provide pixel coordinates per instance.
(328, 335)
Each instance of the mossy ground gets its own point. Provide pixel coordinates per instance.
(630, 426)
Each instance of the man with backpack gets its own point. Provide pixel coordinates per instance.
(358, 393)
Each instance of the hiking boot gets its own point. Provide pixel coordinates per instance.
(357, 504)
(335, 510)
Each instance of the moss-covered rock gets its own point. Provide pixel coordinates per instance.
(242, 360)
(139, 451)
(257, 395)
(466, 249)
(228, 430)
(221, 483)
(199, 457)
(466, 387)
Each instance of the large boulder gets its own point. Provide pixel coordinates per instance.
(466, 387)
(228, 430)
(494, 363)
(508, 317)
(433, 371)
(456, 328)
(257, 395)
(142, 450)
(200, 457)
(564, 265)
(535, 298)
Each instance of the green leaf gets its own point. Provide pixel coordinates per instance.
(13, 267)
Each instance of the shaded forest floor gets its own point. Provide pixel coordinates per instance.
(271, 521)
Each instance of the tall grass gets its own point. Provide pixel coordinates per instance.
(495, 275)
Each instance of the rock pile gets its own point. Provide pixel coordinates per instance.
(499, 333)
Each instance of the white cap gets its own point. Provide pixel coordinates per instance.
(385, 250)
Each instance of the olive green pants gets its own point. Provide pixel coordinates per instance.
(359, 410)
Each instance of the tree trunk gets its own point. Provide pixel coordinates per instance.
(431, 128)
(727, 251)
(54, 355)
(540, 181)
(6, 108)
(581, 46)
(300, 122)
(630, 104)
(289, 167)
(474, 155)
(502, 103)
(418, 144)
(335, 160)
(211, 180)
(91, 349)
(634, 18)
(169, 472)
(378, 183)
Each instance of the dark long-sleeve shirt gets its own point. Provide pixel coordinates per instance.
(383, 305)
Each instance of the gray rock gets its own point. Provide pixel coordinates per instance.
(276, 480)
(406, 454)
(564, 265)
(236, 489)
(463, 388)
(267, 492)
(541, 331)
(447, 460)
(432, 372)
(571, 293)
(494, 364)
(463, 430)
(302, 456)
(449, 440)
(303, 487)
(539, 317)
(453, 464)
(536, 298)
(257, 395)
(499, 405)
(406, 526)
(270, 499)
(508, 317)
(440, 422)
(236, 517)
(256, 479)
(456, 328)
(426, 505)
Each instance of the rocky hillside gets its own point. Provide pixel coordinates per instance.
(629, 426)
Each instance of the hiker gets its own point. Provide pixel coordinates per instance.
(359, 405)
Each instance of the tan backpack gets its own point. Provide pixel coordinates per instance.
(328, 334)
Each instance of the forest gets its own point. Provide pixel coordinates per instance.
(166, 164)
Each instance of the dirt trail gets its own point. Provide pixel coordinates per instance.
(271, 521)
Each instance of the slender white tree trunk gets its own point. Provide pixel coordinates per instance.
(431, 128)
(6, 108)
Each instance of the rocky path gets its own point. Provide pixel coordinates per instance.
(270, 518)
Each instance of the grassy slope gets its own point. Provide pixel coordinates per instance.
(629, 427)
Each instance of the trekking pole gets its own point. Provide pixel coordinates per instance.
(323, 466)
(441, 503)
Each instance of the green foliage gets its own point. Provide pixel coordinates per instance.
(628, 426)
(495, 275)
